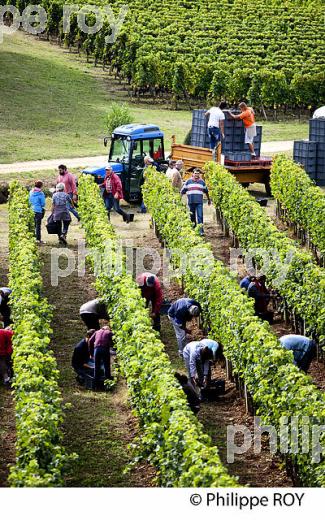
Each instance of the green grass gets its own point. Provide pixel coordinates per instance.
(54, 105)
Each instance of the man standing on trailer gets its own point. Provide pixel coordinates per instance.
(195, 188)
(247, 115)
(216, 124)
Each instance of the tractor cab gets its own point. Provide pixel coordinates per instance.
(129, 146)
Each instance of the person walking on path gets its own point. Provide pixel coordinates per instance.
(37, 202)
(216, 124)
(93, 311)
(101, 342)
(179, 313)
(195, 188)
(247, 115)
(113, 193)
(70, 187)
(60, 212)
(152, 292)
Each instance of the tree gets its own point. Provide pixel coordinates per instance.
(118, 115)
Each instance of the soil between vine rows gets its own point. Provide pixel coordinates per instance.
(258, 470)
(7, 411)
(98, 426)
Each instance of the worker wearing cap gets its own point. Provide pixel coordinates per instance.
(5, 311)
(195, 188)
(113, 193)
(151, 291)
(197, 356)
(179, 313)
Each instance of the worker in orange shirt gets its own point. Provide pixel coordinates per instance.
(248, 117)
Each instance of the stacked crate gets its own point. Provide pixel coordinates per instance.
(234, 134)
(305, 153)
(311, 154)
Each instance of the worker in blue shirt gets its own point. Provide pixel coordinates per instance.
(245, 282)
(303, 349)
(195, 188)
(197, 356)
(179, 313)
(37, 202)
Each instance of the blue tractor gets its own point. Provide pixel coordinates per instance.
(129, 145)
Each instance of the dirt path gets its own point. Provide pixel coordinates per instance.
(252, 469)
(7, 412)
(76, 162)
(98, 425)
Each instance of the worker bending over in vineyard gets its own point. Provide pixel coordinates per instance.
(247, 115)
(303, 349)
(93, 311)
(81, 361)
(258, 290)
(113, 193)
(151, 290)
(245, 282)
(179, 313)
(5, 355)
(101, 343)
(5, 310)
(195, 188)
(197, 356)
(216, 124)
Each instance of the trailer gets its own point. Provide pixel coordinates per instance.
(245, 172)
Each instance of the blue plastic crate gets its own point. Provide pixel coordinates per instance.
(238, 156)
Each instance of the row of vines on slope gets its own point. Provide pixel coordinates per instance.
(172, 438)
(271, 52)
(40, 457)
(300, 203)
(291, 271)
(278, 388)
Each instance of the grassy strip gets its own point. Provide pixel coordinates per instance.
(40, 458)
(290, 270)
(278, 388)
(173, 439)
(302, 201)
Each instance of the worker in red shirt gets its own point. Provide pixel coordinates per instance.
(5, 354)
(70, 187)
(152, 292)
(113, 193)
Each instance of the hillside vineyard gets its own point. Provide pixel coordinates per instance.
(272, 52)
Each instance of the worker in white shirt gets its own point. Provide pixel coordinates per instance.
(197, 356)
(216, 124)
